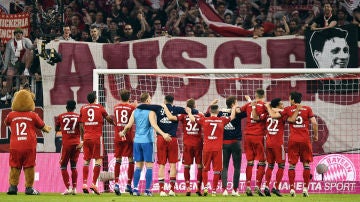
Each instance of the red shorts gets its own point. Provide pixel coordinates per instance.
(22, 158)
(69, 153)
(123, 148)
(93, 149)
(254, 147)
(167, 150)
(214, 157)
(191, 152)
(275, 154)
(302, 150)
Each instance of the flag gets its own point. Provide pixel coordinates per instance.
(217, 24)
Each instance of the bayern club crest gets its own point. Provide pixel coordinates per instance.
(340, 168)
(123, 173)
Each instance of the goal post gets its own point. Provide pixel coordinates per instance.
(333, 94)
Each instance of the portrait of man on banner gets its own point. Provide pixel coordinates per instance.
(332, 48)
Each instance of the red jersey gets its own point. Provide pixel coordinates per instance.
(213, 128)
(69, 125)
(192, 130)
(299, 130)
(122, 113)
(23, 127)
(255, 127)
(275, 131)
(92, 116)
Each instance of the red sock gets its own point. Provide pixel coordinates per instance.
(85, 173)
(260, 174)
(117, 171)
(215, 181)
(199, 179)
(306, 176)
(187, 176)
(291, 174)
(205, 177)
(268, 174)
(248, 171)
(130, 172)
(96, 173)
(161, 184)
(74, 176)
(172, 183)
(279, 176)
(65, 176)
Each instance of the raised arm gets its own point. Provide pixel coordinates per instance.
(292, 119)
(254, 114)
(149, 107)
(191, 116)
(315, 128)
(272, 113)
(233, 112)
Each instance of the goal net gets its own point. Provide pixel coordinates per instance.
(333, 94)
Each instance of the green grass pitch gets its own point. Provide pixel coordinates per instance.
(110, 197)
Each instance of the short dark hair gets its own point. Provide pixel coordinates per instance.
(230, 101)
(70, 105)
(91, 97)
(275, 102)
(125, 95)
(190, 103)
(214, 108)
(318, 38)
(260, 93)
(296, 96)
(144, 96)
(169, 99)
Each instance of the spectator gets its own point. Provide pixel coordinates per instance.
(228, 18)
(113, 31)
(66, 34)
(75, 33)
(95, 35)
(18, 59)
(85, 36)
(128, 34)
(157, 28)
(294, 27)
(92, 6)
(76, 20)
(258, 31)
(342, 18)
(199, 29)
(99, 21)
(325, 20)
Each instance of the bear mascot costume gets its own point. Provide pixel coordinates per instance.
(23, 122)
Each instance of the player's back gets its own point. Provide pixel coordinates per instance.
(92, 117)
(213, 128)
(275, 131)
(23, 127)
(254, 127)
(299, 130)
(163, 121)
(232, 130)
(69, 125)
(191, 130)
(122, 114)
(144, 133)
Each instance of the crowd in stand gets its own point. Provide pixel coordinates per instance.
(116, 21)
